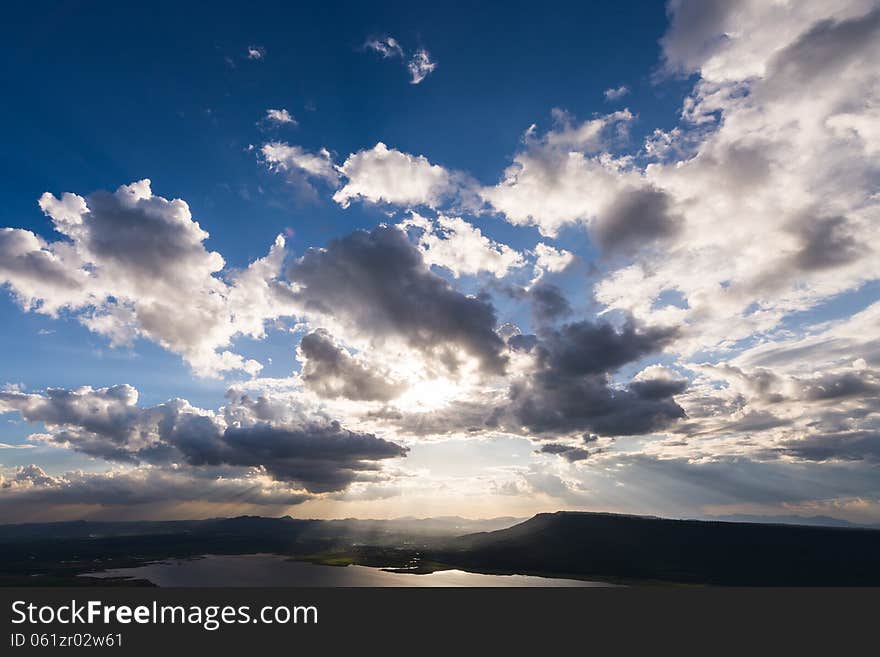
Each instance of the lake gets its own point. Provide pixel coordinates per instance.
(276, 570)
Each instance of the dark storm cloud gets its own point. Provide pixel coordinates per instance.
(570, 453)
(764, 385)
(378, 283)
(570, 388)
(585, 347)
(319, 455)
(826, 243)
(852, 446)
(637, 217)
(658, 388)
(331, 372)
(548, 302)
(522, 342)
(838, 386)
(549, 403)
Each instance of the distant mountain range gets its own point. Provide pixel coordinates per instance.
(56, 553)
(640, 549)
(815, 521)
(354, 528)
(598, 546)
(409, 525)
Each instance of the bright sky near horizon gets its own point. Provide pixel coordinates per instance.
(419, 260)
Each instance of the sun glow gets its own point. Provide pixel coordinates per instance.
(430, 394)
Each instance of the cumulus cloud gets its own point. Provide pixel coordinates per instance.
(314, 453)
(460, 247)
(383, 175)
(552, 260)
(378, 175)
(330, 371)
(590, 348)
(794, 398)
(657, 382)
(736, 40)
(562, 386)
(569, 389)
(826, 242)
(719, 173)
(295, 160)
(548, 302)
(378, 286)
(637, 217)
(766, 158)
(42, 276)
(565, 176)
(132, 264)
(759, 205)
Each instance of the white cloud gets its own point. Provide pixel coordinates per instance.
(256, 52)
(460, 247)
(727, 41)
(661, 144)
(259, 451)
(565, 176)
(387, 46)
(383, 175)
(590, 136)
(295, 159)
(800, 398)
(42, 276)
(789, 164)
(420, 66)
(762, 202)
(280, 116)
(616, 93)
(281, 437)
(551, 260)
(133, 265)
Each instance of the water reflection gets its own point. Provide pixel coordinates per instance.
(275, 570)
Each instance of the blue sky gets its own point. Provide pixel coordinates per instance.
(117, 94)
(709, 240)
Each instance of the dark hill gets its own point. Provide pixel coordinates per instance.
(599, 545)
